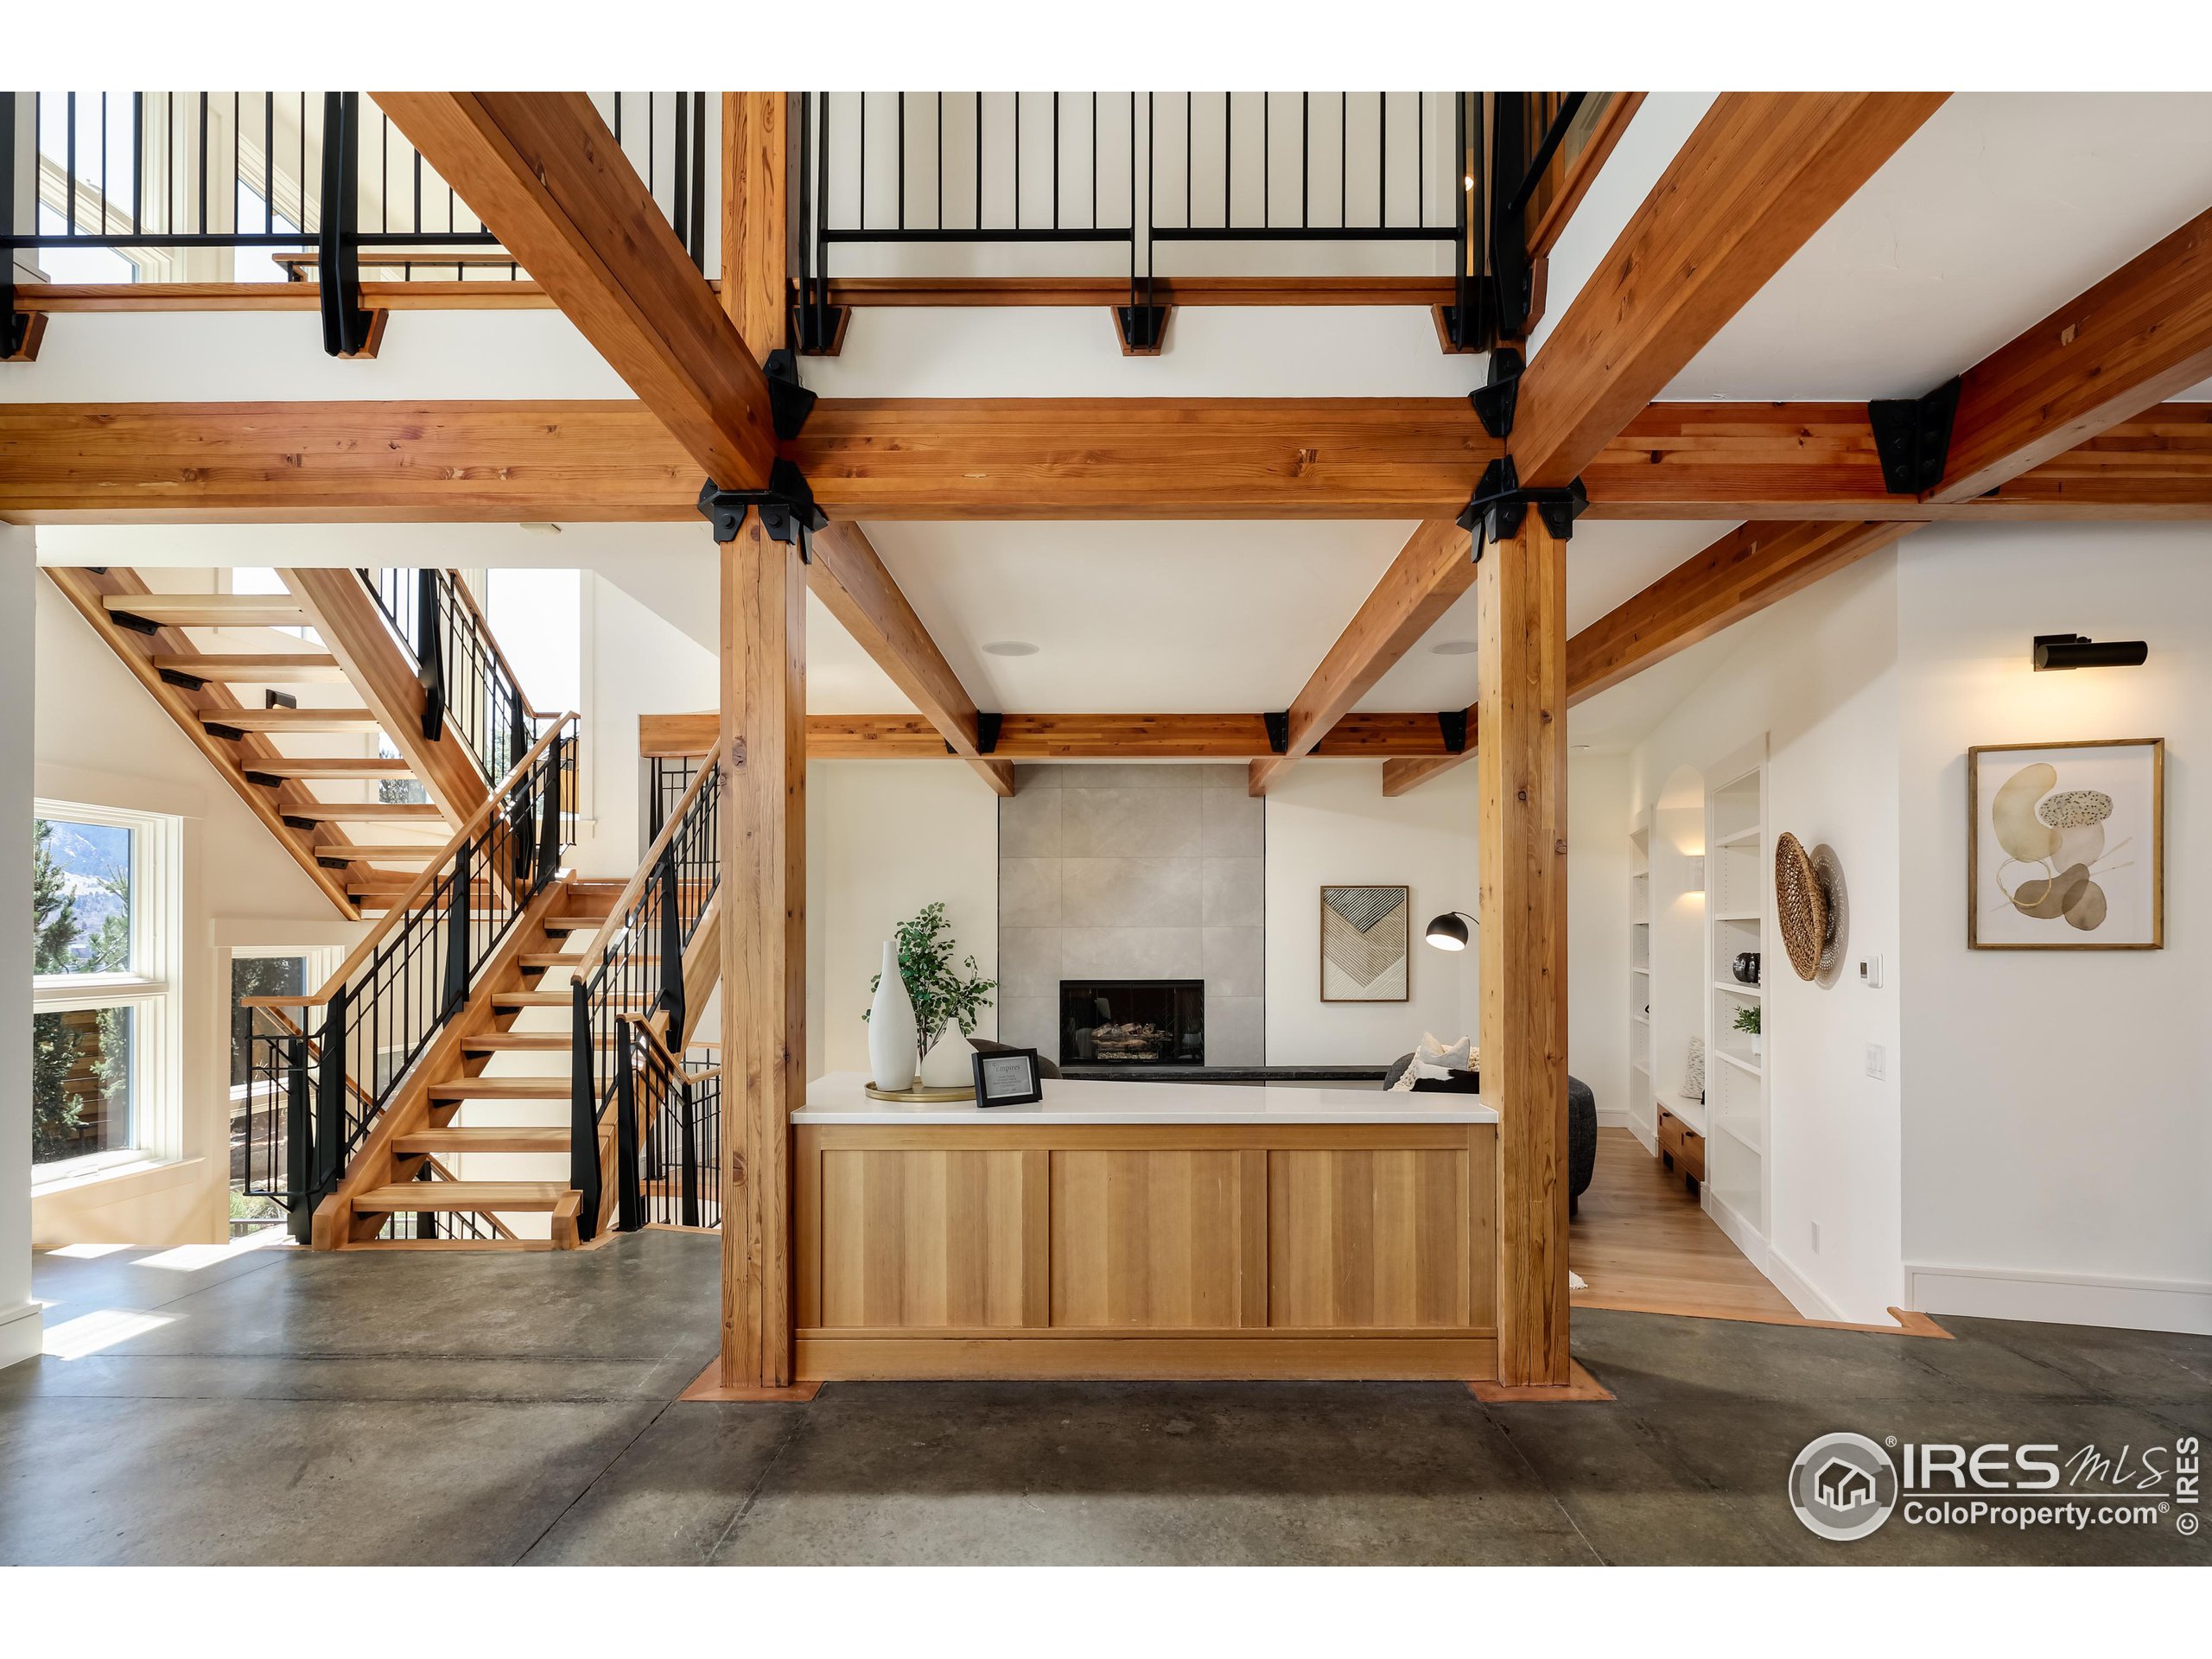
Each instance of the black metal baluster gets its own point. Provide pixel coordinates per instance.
(628, 1215)
(688, 1153)
(299, 1137)
(431, 654)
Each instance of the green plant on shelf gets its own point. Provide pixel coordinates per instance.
(941, 994)
(1748, 1020)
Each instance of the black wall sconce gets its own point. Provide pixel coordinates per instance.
(1448, 932)
(2073, 651)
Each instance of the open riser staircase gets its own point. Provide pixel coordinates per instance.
(540, 1093)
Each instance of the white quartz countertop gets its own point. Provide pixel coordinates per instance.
(841, 1097)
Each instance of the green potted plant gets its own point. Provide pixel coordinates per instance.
(1747, 1020)
(943, 995)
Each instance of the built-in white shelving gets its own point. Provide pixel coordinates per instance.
(1639, 978)
(1737, 850)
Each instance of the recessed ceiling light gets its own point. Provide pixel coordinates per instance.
(539, 529)
(1453, 648)
(1010, 648)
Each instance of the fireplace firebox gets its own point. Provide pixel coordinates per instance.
(1133, 1022)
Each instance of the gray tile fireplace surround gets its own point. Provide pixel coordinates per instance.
(1133, 872)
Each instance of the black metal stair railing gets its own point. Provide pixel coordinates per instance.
(632, 970)
(325, 1063)
(668, 1132)
(468, 686)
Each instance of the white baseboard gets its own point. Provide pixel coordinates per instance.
(1613, 1117)
(1808, 1300)
(22, 1334)
(2060, 1298)
(1745, 1236)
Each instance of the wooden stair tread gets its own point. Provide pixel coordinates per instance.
(507, 1042)
(546, 1088)
(257, 668)
(463, 1195)
(292, 720)
(286, 766)
(472, 1139)
(363, 811)
(362, 853)
(530, 998)
(211, 610)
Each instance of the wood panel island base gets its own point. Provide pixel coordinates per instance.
(1143, 1230)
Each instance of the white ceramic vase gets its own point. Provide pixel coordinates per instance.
(891, 1032)
(1758, 1049)
(949, 1064)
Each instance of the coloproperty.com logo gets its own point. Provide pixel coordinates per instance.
(1845, 1486)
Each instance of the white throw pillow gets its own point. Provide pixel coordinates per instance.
(1416, 1071)
(1452, 1057)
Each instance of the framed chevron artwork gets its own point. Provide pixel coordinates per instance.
(1363, 944)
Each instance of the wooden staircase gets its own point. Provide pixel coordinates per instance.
(484, 1131)
(359, 821)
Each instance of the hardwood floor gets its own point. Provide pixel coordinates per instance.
(1646, 1247)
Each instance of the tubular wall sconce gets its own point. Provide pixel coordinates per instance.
(2075, 650)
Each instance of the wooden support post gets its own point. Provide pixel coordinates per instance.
(1521, 767)
(755, 218)
(763, 829)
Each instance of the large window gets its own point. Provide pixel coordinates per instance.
(101, 938)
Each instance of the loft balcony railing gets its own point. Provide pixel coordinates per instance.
(190, 187)
(629, 995)
(325, 1063)
(468, 686)
(1183, 185)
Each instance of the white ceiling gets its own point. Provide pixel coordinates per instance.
(1998, 210)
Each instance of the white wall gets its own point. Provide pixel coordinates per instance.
(883, 839)
(1328, 823)
(102, 741)
(1817, 674)
(1597, 929)
(635, 662)
(19, 1315)
(2057, 1140)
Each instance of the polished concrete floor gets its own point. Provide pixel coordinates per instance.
(277, 1407)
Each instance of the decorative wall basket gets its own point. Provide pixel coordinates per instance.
(1827, 881)
(1807, 900)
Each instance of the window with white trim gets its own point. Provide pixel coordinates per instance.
(104, 938)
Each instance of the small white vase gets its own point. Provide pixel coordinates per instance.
(890, 1028)
(1758, 1048)
(950, 1064)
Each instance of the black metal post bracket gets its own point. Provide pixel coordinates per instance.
(787, 509)
(1913, 437)
(1499, 504)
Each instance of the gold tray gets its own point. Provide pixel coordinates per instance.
(923, 1097)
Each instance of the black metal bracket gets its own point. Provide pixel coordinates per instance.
(1913, 437)
(1496, 511)
(228, 733)
(264, 779)
(1452, 723)
(987, 731)
(1495, 400)
(348, 330)
(177, 677)
(291, 823)
(274, 699)
(787, 509)
(133, 621)
(789, 402)
(1278, 732)
(1143, 329)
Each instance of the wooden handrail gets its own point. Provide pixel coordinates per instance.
(651, 1033)
(484, 627)
(423, 883)
(601, 941)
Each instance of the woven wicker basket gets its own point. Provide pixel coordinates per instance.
(1800, 906)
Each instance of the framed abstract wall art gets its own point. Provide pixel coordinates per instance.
(1363, 944)
(2066, 846)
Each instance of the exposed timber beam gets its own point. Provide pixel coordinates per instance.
(1434, 569)
(1031, 459)
(756, 218)
(2106, 356)
(1762, 172)
(849, 577)
(548, 179)
(1753, 566)
(1067, 737)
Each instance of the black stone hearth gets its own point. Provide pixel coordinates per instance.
(1123, 1023)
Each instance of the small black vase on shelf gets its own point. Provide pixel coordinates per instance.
(1746, 968)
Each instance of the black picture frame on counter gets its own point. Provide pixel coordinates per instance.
(1009, 1076)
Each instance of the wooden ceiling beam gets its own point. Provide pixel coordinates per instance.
(1067, 737)
(548, 179)
(1434, 568)
(1753, 566)
(1762, 172)
(2105, 357)
(1029, 459)
(850, 578)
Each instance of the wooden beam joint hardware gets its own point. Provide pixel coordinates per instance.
(786, 507)
(1913, 437)
(1501, 502)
